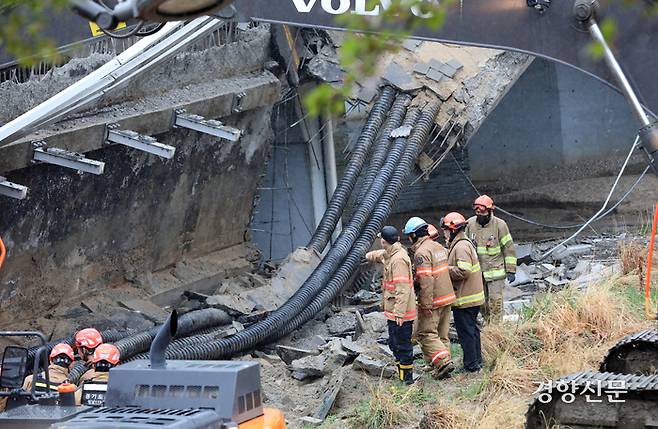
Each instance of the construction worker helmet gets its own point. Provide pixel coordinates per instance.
(89, 338)
(484, 201)
(432, 232)
(453, 221)
(107, 352)
(62, 349)
(413, 225)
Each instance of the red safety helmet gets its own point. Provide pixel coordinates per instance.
(453, 221)
(89, 338)
(432, 232)
(62, 349)
(107, 352)
(484, 201)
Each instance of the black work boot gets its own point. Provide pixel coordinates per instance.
(407, 374)
(443, 371)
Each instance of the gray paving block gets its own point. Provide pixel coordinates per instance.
(421, 68)
(398, 76)
(436, 75)
(410, 44)
(447, 70)
(455, 64)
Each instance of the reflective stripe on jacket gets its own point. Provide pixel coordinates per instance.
(399, 298)
(465, 273)
(431, 274)
(495, 247)
(56, 374)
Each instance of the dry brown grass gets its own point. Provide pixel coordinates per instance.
(564, 332)
(503, 412)
(633, 256)
(561, 333)
(446, 416)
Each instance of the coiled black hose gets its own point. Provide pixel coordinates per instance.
(382, 144)
(321, 274)
(279, 321)
(346, 184)
(381, 213)
(187, 324)
(78, 369)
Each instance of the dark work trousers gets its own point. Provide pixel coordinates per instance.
(399, 341)
(468, 332)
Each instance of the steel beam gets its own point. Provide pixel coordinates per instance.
(64, 158)
(211, 127)
(13, 190)
(138, 141)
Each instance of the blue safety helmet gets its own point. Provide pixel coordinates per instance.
(413, 225)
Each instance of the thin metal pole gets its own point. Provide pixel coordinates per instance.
(624, 85)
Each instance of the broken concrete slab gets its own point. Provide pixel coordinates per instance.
(311, 421)
(510, 293)
(330, 395)
(435, 75)
(332, 358)
(260, 298)
(421, 68)
(376, 322)
(290, 354)
(397, 76)
(583, 267)
(360, 326)
(455, 64)
(236, 306)
(572, 250)
(351, 347)
(292, 273)
(522, 276)
(523, 253)
(411, 44)
(342, 324)
(324, 70)
(149, 310)
(555, 281)
(514, 307)
(442, 68)
(374, 367)
(365, 297)
(443, 89)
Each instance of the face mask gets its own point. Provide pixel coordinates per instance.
(484, 219)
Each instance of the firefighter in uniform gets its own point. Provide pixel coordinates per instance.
(93, 390)
(61, 360)
(86, 341)
(496, 253)
(435, 296)
(399, 299)
(464, 269)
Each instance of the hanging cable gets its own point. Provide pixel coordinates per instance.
(545, 225)
(605, 204)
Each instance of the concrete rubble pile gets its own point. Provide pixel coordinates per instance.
(582, 263)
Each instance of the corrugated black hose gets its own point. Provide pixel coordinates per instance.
(380, 149)
(289, 318)
(358, 157)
